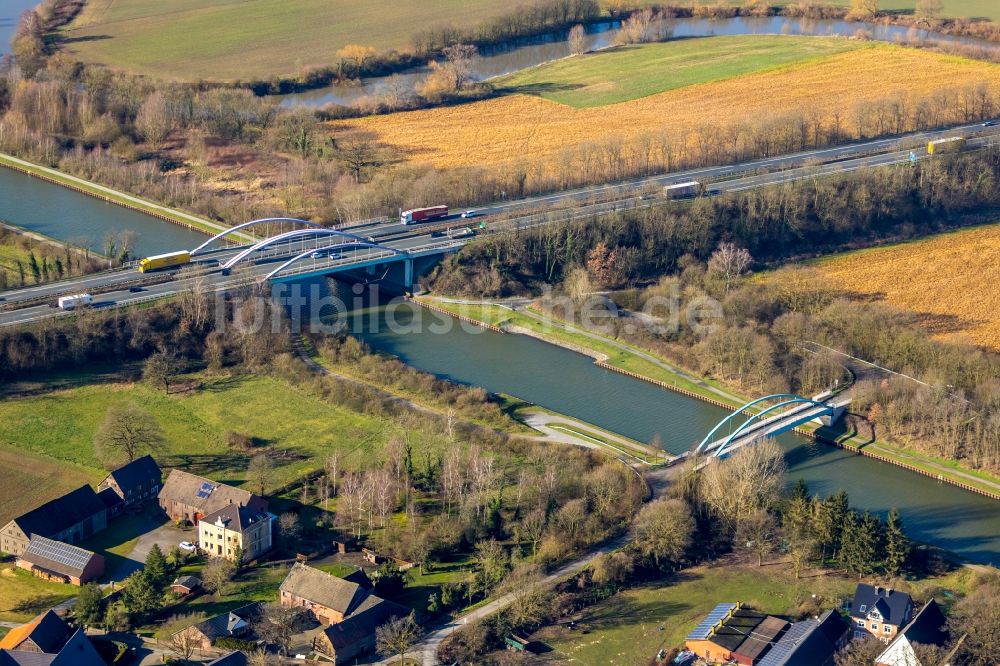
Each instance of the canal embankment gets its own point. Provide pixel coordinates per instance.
(638, 364)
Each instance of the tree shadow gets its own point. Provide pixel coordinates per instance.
(38, 604)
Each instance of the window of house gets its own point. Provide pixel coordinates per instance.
(861, 623)
(874, 626)
(887, 629)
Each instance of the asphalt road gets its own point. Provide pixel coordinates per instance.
(112, 287)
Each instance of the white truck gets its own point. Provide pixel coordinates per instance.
(74, 301)
(682, 190)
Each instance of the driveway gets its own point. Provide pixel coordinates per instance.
(166, 536)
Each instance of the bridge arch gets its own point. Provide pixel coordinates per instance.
(251, 223)
(305, 254)
(709, 438)
(288, 235)
(795, 400)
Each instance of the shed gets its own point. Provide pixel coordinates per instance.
(60, 562)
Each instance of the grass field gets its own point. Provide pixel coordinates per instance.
(949, 280)
(22, 596)
(225, 40)
(514, 127)
(56, 429)
(627, 73)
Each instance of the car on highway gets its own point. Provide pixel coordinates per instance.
(187, 545)
(989, 123)
(135, 289)
(470, 213)
(319, 254)
(437, 233)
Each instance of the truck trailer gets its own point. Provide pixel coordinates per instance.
(168, 260)
(953, 144)
(423, 214)
(75, 301)
(682, 190)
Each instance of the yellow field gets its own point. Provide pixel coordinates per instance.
(951, 280)
(502, 130)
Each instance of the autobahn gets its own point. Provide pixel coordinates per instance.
(112, 288)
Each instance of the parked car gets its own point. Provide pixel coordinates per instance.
(188, 546)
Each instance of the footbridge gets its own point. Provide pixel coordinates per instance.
(768, 417)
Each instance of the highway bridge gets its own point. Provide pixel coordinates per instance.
(307, 250)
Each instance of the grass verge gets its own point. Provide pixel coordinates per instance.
(23, 596)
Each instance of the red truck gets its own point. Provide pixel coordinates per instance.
(423, 214)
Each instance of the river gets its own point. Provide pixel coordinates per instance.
(10, 13)
(67, 215)
(570, 383)
(499, 60)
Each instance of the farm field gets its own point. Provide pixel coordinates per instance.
(508, 128)
(226, 40)
(949, 280)
(298, 428)
(631, 72)
(30, 479)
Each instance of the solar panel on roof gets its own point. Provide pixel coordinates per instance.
(60, 552)
(704, 630)
(781, 650)
(205, 490)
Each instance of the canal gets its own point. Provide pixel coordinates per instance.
(67, 215)
(570, 383)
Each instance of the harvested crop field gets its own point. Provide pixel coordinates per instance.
(30, 479)
(950, 280)
(507, 129)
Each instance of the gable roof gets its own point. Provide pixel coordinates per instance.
(204, 494)
(808, 643)
(110, 498)
(61, 513)
(763, 636)
(78, 651)
(48, 631)
(893, 605)
(140, 472)
(737, 628)
(235, 517)
(373, 613)
(237, 658)
(361, 578)
(57, 556)
(228, 624)
(187, 582)
(927, 628)
(319, 587)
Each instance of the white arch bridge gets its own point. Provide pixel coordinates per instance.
(312, 250)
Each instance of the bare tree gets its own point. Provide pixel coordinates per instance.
(154, 119)
(180, 642)
(929, 9)
(127, 431)
(276, 624)
(396, 637)
(664, 529)
(217, 574)
(577, 40)
(260, 472)
(745, 482)
(635, 29)
(757, 534)
(158, 370)
(729, 262)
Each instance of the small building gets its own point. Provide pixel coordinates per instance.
(330, 598)
(928, 627)
(48, 640)
(760, 639)
(60, 562)
(234, 624)
(185, 585)
(235, 529)
(135, 483)
(75, 516)
(190, 497)
(879, 611)
(354, 637)
(718, 638)
(810, 642)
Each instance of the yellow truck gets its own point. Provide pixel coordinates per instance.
(168, 260)
(953, 144)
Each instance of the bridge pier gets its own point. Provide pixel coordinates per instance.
(408, 275)
(834, 416)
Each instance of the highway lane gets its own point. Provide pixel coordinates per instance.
(404, 237)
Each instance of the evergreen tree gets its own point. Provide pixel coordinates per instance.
(862, 548)
(156, 567)
(839, 507)
(846, 556)
(800, 490)
(797, 518)
(823, 526)
(36, 271)
(139, 594)
(897, 545)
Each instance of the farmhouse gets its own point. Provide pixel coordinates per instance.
(927, 628)
(60, 562)
(355, 636)
(134, 483)
(235, 529)
(880, 611)
(331, 599)
(47, 640)
(189, 497)
(73, 517)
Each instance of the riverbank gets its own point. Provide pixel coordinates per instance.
(643, 365)
(116, 197)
